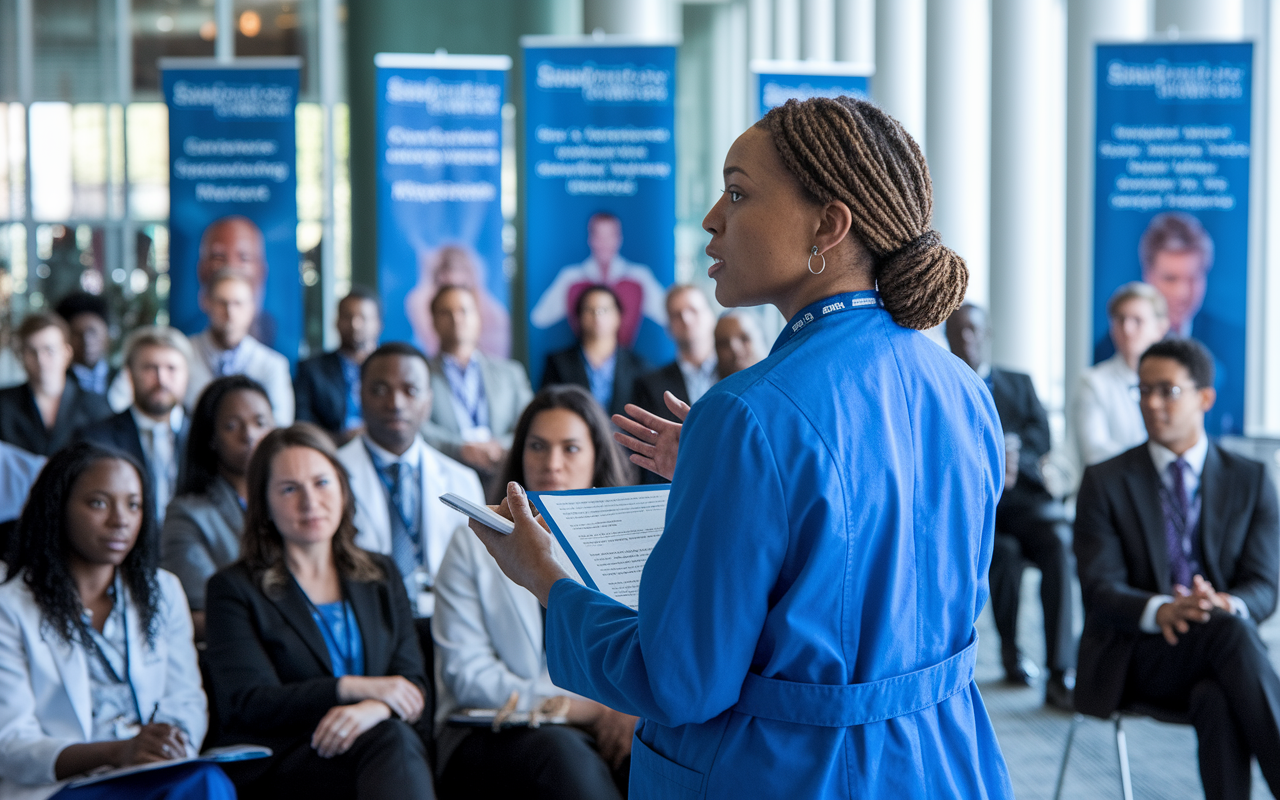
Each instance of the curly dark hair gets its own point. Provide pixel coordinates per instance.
(262, 547)
(610, 467)
(40, 548)
(201, 464)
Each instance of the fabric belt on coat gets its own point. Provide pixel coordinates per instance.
(832, 706)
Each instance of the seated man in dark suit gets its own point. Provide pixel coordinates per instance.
(598, 363)
(1179, 548)
(42, 415)
(1030, 523)
(692, 328)
(154, 429)
(327, 389)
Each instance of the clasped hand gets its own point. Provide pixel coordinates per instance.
(375, 699)
(1190, 605)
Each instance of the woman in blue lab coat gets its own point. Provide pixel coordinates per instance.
(806, 623)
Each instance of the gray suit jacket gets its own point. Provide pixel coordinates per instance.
(201, 535)
(506, 390)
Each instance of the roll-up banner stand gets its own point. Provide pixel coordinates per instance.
(233, 189)
(1172, 196)
(779, 81)
(599, 186)
(439, 195)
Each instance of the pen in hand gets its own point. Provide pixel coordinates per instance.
(154, 711)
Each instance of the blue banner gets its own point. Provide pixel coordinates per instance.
(1172, 196)
(233, 189)
(779, 81)
(599, 188)
(440, 191)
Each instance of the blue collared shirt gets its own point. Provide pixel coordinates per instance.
(351, 376)
(467, 386)
(92, 379)
(601, 378)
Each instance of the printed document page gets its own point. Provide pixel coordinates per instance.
(607, 533)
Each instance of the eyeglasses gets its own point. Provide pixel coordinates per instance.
(1168, 392)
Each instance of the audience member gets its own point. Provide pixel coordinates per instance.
(478, 398)
(201, 532)
(312, 650)
(18, 471)
(692, 328)
(598, 362)
(226, 348)
(739, 342)
(327, 388)
(1179, 550)
(86, 315)
(154, 428)
(1106, 417)
(397, 478)
(42, 415)
(1030, 523)
(97, 666)
(490, 635)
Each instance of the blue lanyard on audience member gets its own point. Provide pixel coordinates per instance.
(410, 528)
(106, 662)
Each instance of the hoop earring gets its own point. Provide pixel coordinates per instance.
(819, 255)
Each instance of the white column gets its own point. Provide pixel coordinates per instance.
(856, 31)
(899, 82)
(330, 75)
(958, 130)
(224, 18)
(1028, 189)
(1088, 22)
(650, 19)
(1268, 382)
(1206, 19)
(818, 34)
(786, 29)
(760, 28)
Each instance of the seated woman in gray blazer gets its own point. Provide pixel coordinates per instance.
(489, 635)
(201, 532)
(312, 649)
(97, 666)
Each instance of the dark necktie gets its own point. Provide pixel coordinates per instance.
(1175, 527)
(404, 549)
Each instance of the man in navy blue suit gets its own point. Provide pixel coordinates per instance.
(327, 389)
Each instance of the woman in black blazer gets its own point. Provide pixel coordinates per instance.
(312, 649)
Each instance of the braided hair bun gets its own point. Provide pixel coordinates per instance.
(849, 150)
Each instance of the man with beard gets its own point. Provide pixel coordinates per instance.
(154, 428)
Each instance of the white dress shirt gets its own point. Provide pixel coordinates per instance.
(1162, 457)
(698, 378)
(160, 444)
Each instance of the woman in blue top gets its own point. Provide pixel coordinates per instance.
(806, 622)
(312, 649)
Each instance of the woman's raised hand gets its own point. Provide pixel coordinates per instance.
(399, 693)
(526, 555)
(655, 440)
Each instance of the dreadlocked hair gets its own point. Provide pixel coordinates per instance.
(849, 150)
(40, 549)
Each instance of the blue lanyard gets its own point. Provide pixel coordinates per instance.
(106, 662)
(850, 301)
(410, 528)
(347, 653)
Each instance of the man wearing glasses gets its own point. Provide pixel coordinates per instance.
(1178, 547)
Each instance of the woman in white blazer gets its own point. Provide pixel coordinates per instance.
(97, 664)
(488, 634)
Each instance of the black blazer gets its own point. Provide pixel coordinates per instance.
(1120, 549)
(121, 433)
(651, 386)
(570, 366)
(320, 392)
(270, 677)
(1021, 413)
(20, 422)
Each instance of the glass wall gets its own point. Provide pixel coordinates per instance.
(84, 162)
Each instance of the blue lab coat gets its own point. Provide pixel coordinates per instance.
(806, 623)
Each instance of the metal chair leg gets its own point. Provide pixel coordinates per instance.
(1066, 754)
(1122, 751)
